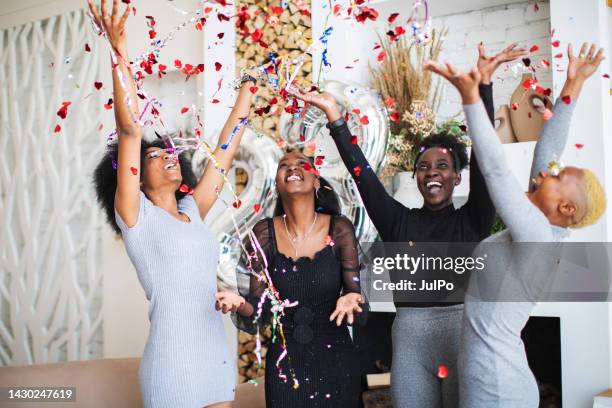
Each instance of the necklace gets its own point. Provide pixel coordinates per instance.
(292, 239)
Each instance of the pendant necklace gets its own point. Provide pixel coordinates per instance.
(292, 239)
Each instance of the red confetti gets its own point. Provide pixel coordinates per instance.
(395, 117)
(515, 105)
(87, 48)
(579, 145)
(152, 34)
(237, 204)
(220, 35)
(215, 101)
(544, 62)
(366, 13)
(257, 207)
(442, 371)
(354, 140)
(184, 188)
(109, 104)
(607, 76)
(556, 43)
(381, 56)
(364, 120)
(63, 111)
(184, 109)
(529, 82)
(319, 160)
(134, 170)
(337, 10)
(392, 17)
(253, 89)
(534, 48)
(98, 85)
(566, 99)
(357, 171)
(218, 66)
(390, 103)
(257, 35)
(559, 55)
(356, 111)
(57, 129)
(178, 64)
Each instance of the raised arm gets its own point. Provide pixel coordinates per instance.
(127, 196)
(387, 214)
(555, 133)
(205, 192)
(479, 205)
(525, 221)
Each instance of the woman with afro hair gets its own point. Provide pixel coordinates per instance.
(424, 335)
(152, 197)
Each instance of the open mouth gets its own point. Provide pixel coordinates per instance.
(294, 178)
(171, 166)
(434, 187)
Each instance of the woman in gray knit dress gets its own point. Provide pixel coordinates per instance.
(159, 207)
(493, 368)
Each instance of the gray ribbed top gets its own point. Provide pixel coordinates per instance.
(186, 360)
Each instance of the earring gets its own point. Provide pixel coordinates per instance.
(317, 193)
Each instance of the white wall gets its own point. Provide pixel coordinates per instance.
(497, 27)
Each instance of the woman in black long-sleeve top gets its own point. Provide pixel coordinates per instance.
(425, 335)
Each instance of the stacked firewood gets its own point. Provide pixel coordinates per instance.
(286, 34)
(248, 368)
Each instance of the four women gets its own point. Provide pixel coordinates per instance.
(309, 253)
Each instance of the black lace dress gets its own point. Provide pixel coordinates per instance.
(321, 354)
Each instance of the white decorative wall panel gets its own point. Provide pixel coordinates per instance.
(50, 224)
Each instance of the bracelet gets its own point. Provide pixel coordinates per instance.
(336, 123)
(244, 78)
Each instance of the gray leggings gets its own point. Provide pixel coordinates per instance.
(423, 339)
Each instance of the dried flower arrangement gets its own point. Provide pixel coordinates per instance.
(401, 78)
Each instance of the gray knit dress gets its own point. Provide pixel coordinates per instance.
(493, 368)
(186, 362)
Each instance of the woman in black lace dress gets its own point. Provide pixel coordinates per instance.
(312, 258)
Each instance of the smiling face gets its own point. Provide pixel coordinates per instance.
(292, 177)
(560, 197)
(436, 177)
(160, 169)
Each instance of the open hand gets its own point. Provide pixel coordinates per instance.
(228, 301)
(324, 101)
(465, 82)
(113, 25)
(488, 65)
(587, 62)
(346, 306)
